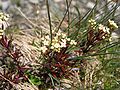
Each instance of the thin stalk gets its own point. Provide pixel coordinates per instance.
(84, 17)
(118, 53)
(63, 17)
(108, 46)
(50, 25)
(106, 6)
(51, 79)
(68, 15)
(107, 15)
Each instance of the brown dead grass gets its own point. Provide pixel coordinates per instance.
(24, 42)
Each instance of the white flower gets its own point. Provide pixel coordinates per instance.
(112, 24)
(101, 27)
(92, 22)
(57, 45)
(72, 42)
(59, 33)
(63, 44)
(57, 50)
(68, 39)
(99, 83)
(43, 49)
(104, 29)
(4, 24)
(4, 17)
(63, 35)
(103, 37)
(45, 42)
(47, 37)
(52, 47)
(3, 21)
(63, 40)
(1, 33)
(110, 39)
(42, 38)
(107, 30)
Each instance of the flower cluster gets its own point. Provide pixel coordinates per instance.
(3, 16)
(3, 23)
(17, 73)
(59, 41)
(97, 33)
(92, 23)
(104, 29)
(112, 24)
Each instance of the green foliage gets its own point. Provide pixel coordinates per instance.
(35, 80)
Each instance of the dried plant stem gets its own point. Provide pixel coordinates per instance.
(67, 2)
(48, 12)
(7, 80)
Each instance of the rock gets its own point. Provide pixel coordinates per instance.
(5, 4)
(34, 1)
(57, 1)
(90, 5)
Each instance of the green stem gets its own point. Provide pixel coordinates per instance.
(63, 17)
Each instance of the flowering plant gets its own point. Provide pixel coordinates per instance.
(79, 54)
(72, 53)
(63, 55)
(10, 55)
